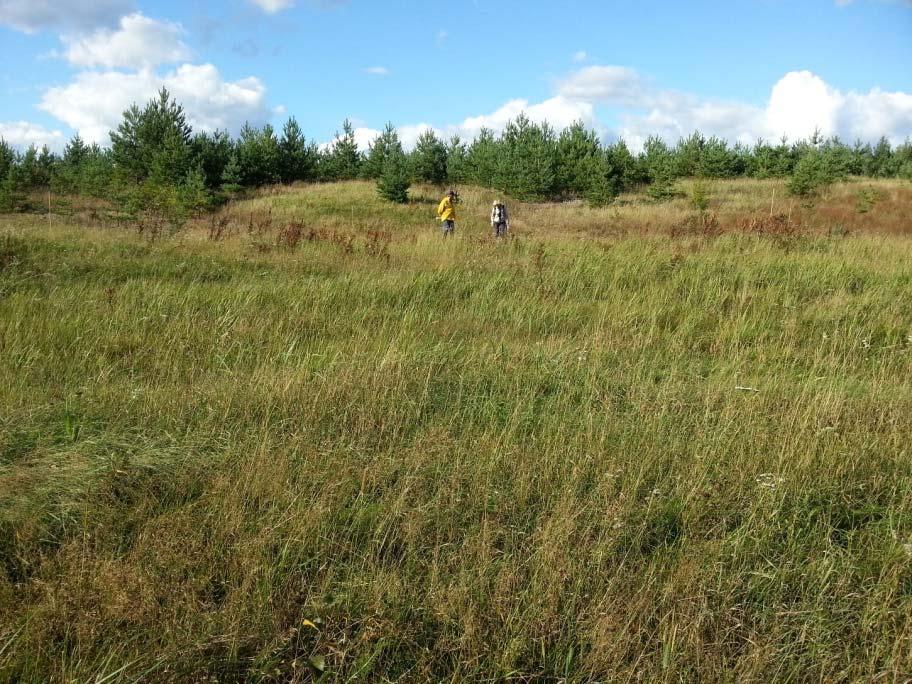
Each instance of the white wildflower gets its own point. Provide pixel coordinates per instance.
(769, 480)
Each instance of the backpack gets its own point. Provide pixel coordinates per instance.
(498, 213)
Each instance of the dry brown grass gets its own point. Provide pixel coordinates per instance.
(309, 435)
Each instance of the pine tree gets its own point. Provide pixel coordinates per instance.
(580, 163)
(343, 161)
(429, 160)
(297, 158)
(837, 158)
(258, 156)
(526, 166)
(862, 159)
(457, 170)
(380, 148)
(7, 158)
(393, 181)
(232, 180)
(660, 167)
(75, 152)
(784, 158)
(811, 174)
(624, 171)
(11, 195)
(211, 152)
(194, 193)
(881, 159)
(688, 155)
(393, 184)
(96, 173)
(153, 142)
(602, 188)
(717, 160)
(10, 181)
(47, 161)
(30, 172)
(903, 155)
(483, 159)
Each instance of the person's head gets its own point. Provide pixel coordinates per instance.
(451, 193)
(497, 203)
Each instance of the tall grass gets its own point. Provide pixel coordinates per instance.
(617, 457)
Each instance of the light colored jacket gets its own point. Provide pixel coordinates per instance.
(500, 216)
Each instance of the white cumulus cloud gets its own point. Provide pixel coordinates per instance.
(377, 71)
(37, 15)
(138, 42)
(273, 6)
(558, 111)
(799, 103)
(21, 134)
(93, 102)
(614, 84)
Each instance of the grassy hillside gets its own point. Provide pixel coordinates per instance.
(309, 436)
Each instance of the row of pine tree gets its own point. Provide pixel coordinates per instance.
(156, 159)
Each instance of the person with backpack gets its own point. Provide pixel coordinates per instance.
(446, 213)
(500, 219)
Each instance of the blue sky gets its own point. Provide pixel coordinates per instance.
(740, 70)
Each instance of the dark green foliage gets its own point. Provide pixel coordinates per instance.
(904, 160)
(697, 156)
(258, 156)
(95, 174)
(527, 160)
(298, 159)
(393, 183)
(75, 152)
(211, 153)
(482, 159)
(11, 195)
(159, 176)
(624, 171)
(457, 170)
(153, 143)
(14, 175)
(343, 161)
(688, 155)
(155, 208)
(583, 167)
(812, 173)
(882, 165)
(660, 165)
(837, 158)
(429, 159)
(231, 177)
(768, 161)
(8, 158)
(83, 170)
(382, 146)
(195, 195)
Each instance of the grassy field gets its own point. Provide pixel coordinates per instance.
(309, 438)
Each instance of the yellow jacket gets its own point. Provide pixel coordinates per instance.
(446, 210)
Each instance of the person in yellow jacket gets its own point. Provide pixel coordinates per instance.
(446, 213)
